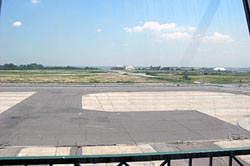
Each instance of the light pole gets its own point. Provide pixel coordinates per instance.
(0, 6)
(246, 4)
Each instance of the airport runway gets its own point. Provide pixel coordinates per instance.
(54, 116)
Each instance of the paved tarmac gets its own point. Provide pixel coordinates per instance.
(54, 117)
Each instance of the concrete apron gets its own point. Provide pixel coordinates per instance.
(10, 99)
(225, 106)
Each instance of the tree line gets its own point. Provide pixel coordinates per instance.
(35, 66)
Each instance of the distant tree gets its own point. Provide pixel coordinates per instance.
(91, 68)
(185, 75)
(35, 66)
(32, 66)
(63, 68)
(9, 66)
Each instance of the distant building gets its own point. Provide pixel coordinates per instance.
(118, 67)
(219, 69)
(130, 68)
(155, 68)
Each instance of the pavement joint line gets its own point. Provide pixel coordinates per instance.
(99, 102)
(110, 102)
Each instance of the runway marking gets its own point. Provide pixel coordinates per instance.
(9, 99)
(224, 106)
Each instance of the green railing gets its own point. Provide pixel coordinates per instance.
(124, 159)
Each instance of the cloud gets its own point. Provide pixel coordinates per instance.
(176, 35)
(16, 24)
(99, 30)
(158, 27)
(35, 1)
(168, 31)
(192, 29)
(171, 31)
(151, 26)
(216, 36)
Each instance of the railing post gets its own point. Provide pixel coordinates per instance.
(76, 164)
(169, 162)
(231, 160)
(123, 163)
(164, 163)
(211, 161)
(238, 161)
(190, 162)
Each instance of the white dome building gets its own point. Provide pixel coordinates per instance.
(219, 69)
(130, 68)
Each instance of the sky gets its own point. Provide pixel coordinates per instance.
(198, 33)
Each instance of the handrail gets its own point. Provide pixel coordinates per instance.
(124, 158)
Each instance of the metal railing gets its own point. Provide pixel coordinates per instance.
(124, 159)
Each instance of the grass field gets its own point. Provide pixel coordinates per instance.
(102, 76)
(200, 76)
(68, 76)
